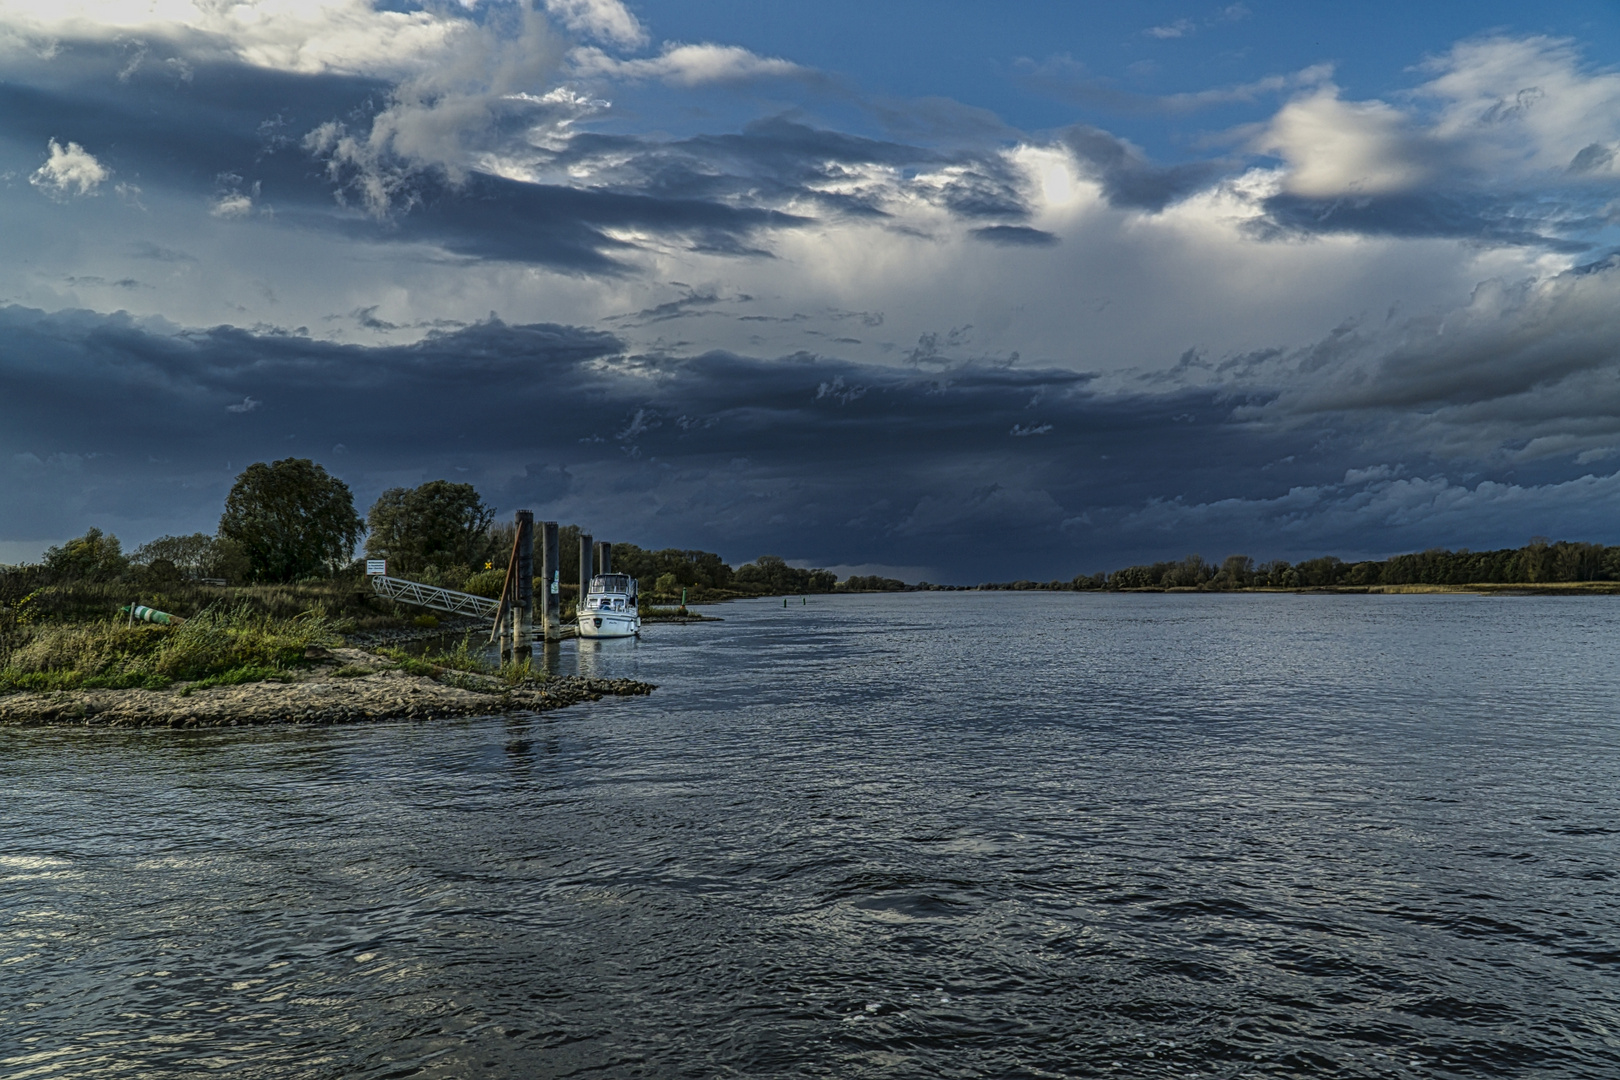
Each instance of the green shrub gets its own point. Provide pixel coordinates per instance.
(518, 672)
(486, 583)
(464, 657)
(409, 664)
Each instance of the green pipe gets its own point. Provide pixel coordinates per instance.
(151, 615)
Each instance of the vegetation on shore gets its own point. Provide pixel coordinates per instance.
(465, 658)
(277, 584)
(1541, 565)
(214, 647)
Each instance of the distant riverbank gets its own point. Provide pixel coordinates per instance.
(1482, 588)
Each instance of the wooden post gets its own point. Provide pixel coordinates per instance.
(551, 578)
(523, 628)
(604, 559)
(585, 561)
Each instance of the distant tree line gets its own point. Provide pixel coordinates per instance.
(291, 520)
(871, 583)
(1538, 562)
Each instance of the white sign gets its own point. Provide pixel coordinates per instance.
(377, 566)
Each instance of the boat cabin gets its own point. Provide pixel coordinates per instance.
(611, 592)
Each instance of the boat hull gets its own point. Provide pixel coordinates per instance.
(609, 624)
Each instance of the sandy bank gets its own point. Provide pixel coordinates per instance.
(371, 688)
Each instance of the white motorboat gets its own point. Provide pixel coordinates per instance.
(610, 608)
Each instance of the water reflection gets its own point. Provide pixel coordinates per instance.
(604, 658)
(589, 657)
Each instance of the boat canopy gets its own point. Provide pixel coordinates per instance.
(613, 583)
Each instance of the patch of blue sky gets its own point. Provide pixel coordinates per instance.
(1115, 59)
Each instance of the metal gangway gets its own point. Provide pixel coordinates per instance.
(431, 596)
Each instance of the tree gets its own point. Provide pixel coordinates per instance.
(95, 556)
(196, 556)
(438, 524)
(186, 553)
(292, 519)
(771, 574)
(1236, 572)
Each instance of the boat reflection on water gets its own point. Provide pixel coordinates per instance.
(604, 658)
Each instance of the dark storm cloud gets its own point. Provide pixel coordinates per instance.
(1015, 235)
(181, 133)
(1526, 371)
(490, 217)
(1128, 178)
(964, 467)
(1455, 214)
(804, 455)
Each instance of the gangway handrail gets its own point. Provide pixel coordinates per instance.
(431, 596)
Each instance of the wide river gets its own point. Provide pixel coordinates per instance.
(923, 835)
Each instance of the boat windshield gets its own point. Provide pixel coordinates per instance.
(610, 583)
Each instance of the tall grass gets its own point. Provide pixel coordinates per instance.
(347, 600)
(466, 657)
(217, 646)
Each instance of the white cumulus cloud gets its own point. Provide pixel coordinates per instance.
(304, 36)
(231, 206)
(445, 117)
(1495, 109)
(1335, 147)
(1177, 29)
(606, 20)
(70, 170)
(689, 65)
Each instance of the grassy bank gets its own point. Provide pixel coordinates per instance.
(214, 647)
(26, 600)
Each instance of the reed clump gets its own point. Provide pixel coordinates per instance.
(215, 647)
(466, 658)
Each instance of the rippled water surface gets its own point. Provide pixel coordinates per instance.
(918, 835)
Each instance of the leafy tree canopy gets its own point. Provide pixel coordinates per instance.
(197, 556)
(771, 574)
(438, 524)
(292, 520)
(95, 556)
(689, 567)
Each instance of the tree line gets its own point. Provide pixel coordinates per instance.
(1539, 562)
(291, 520)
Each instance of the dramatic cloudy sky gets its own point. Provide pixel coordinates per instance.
(953, 290)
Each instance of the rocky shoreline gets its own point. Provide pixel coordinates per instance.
(345, 685)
